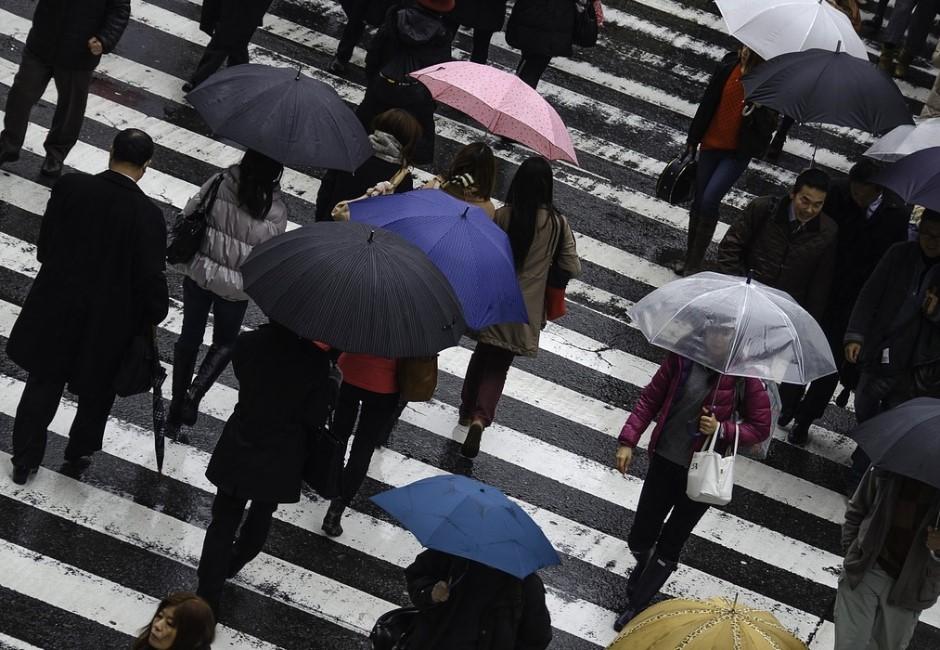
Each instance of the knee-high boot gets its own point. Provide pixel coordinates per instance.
(212, 366)
(654, 576)
(184, 362)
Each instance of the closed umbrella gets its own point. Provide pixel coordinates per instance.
(284, 114)
(358, 289)
(502, 103)
(159, 408)
(906, 139)
(915, 178)
(471, 251)
(736, 326)
(775, 27)
(458, 515)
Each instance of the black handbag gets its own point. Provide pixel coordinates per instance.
(136, 370)
(392, 629)
(676, 183)
(189, 230)
(323, 467)
(585, 26)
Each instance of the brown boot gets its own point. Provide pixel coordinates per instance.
(903, 63)
(886, 60)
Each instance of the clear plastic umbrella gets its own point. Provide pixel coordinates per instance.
(906, 139)
(736, 326)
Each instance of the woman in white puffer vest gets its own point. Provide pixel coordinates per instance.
(247, 210)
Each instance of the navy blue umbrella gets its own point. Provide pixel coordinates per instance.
(458, 515)
(915, 178)
(284, 114)
(471, 251)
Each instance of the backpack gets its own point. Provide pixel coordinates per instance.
(761, 449)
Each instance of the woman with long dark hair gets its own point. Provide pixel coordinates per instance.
(538, 234)
(183, 621)
(247, 210)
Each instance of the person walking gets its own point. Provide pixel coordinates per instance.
(932, 105)
(484, 17)
(914, 19)
(540, 237)
(248, 209)
(413, 37)
(541, 29)
(465, 604)
(870, 219)
(101, 245)
(64, 44)
(727, 133)
(282, 400)
(231, 24)
(183, 621)
(358, 14)
(689, 403)
(394, 136)
(891, 540)
(471, 177)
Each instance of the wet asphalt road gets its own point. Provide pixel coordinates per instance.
(91, 577)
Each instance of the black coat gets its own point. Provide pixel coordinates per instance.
(231, 23)
(543, 27)
(263, 446)
(487, 609)
(61, 29)
(339, 186)
(757, 128)
(102, 246)
(411, 38)
(486, 15)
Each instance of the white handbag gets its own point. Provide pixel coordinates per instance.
(711, 475)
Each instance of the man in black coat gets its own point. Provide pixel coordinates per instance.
(102, 245)
(870, 219)
(65, 44)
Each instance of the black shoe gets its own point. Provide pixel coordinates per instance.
(655, 575)
(337, 66)
(7, 156)
(213, 364)
(331, 521)
(51, 167)
(21, 474)
(471, 445)
(843, 399)
(786, 417)
(799, 435)
(77, 462)
(187, 86)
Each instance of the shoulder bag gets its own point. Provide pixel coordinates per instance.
(585, 26)
(417, 378)
(138, 365)
(557, 281)
(711, 475)
(676, 183)
(189, 230)
(323, 467)
(392, 629)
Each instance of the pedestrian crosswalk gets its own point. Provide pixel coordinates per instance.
(85, 559)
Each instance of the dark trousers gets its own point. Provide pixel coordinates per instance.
(37, 407)
(873, 395)
(484, 381)
(375, 412)
(226, 548)
(914, 17)
(664, 490)
(353, 30)
(532, 67)
(481, 47)
(28, 86)
(227, 316)
(233, 31)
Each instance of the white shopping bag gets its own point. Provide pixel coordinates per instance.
(711, 475)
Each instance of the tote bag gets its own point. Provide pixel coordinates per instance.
(711, 475)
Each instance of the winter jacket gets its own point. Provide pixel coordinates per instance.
(932, 105)
(543, 27)
(762, 243)
(264, 444)
(411, 38)
(867, 522)
(102, 246)
(888, 303)
(232, 23)
(339, 186)
(485, 15)
(656, 399)
(757, 126)
(231, 233)
(61, 29)
(523, 338)
(487, 609)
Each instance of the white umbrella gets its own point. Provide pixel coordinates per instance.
(775, 27)
(736, 326)
(906, 139)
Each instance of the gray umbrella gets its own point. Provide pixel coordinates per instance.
(904, 440)
(284, 114)
(358, 289)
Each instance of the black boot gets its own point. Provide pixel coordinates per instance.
(642, 559)
(331, 521)
(695, 255)
(184, 362)
(212, 366)
(655, 574)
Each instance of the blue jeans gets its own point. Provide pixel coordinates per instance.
(227, 316)
(716, 173)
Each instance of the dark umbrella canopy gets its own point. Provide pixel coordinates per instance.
(905, 440)
(284, 114)
(828, 88)
(358, 289)
(915, 178)
(159, 409)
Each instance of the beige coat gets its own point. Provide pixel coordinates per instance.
(932, 107)
(523, 338)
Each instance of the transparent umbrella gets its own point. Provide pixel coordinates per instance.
(736, 326)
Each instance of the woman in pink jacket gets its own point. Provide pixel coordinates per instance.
(689, 403)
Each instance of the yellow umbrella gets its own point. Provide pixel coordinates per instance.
(714, 624)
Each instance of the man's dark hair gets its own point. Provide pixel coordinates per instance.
(863, 171)
(132, 146)
(812, 177)
(931, 216)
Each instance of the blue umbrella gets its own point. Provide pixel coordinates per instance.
(471, 251)
(915, 178)
(457, 515)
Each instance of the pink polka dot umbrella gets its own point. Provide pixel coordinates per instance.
(502, 103)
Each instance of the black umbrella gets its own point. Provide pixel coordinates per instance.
(358, 289)
(904, 440)
(915, 178)
(829, 88)
(283, 114)
(159, 410)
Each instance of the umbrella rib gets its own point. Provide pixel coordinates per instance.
(796, 339)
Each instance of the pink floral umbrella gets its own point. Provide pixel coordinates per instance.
(501, 102)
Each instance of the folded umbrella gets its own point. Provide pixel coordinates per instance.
(471, 251)
(906, 139)
(159, 408)
(915, 178)
(502, 103)
(458, 515)
(284, 114)
(357, 289)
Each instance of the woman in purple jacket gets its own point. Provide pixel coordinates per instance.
(689, 403)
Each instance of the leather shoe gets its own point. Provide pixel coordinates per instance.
(21, 474)
(799, 435)
(7, 155)
(51, 167)
(337, 66)
(187, 86)
(471, 444)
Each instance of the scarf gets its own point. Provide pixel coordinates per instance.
(386, 147)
